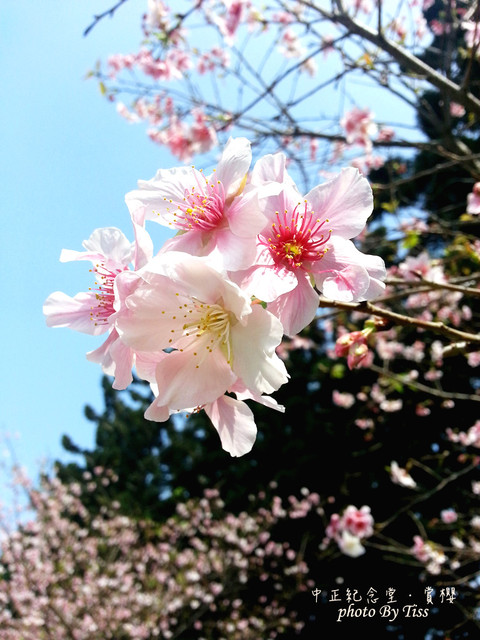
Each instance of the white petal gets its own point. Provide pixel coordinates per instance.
(254, 357)
(234, 165)
(272, 167)
(108, 243)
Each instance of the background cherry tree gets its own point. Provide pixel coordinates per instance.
(376, 455)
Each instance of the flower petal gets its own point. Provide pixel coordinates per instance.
(159, 195)
(254, 344)
(346, 200)
(62, 310)
(272, 168)
(347, 274)
(116, 359)
(244, 215)
(105, 244)
(234, 165)
(296, 309)
(192, 377)
(235, 424)
(266, 280)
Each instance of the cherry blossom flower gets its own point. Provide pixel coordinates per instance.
(456, 110)
(349, 529)
(211, 340)
(473, 200)
(350, 545)
(470, 438)
(448, 516)
(401, 476)
(229, 22)
(343, 399)
(308, 240)
(359, 127)
(427, 553)
(215, 213)
(123, 110)
(93, 311)
(354, 347)
(472, 34)
(359, 522)
(157, 13)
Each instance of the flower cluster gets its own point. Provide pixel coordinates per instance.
(349, 529)
(205, 571)
(201, 319)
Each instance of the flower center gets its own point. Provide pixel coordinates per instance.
(202, 206)
(207, 325)
(104, 293)
(297, 237)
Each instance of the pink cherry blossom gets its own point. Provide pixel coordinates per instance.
(448, 516)
(358, 522)
(359, 127)
(215, 213)
(93, 311)
(472, 34)
(309, 238)
(457, 110)
(229, 22)
(349, 529)
(210, 339)
(427, 553)
(473, 200)
(343, 399)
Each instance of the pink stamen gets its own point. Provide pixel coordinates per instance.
(104, 293)
(202, 207)
(297, 238)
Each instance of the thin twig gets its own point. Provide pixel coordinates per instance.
(109, 12)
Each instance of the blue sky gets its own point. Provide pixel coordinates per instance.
(66, 162)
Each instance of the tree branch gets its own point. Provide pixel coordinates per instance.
(109, 12)
(397, 318)
(402, 56)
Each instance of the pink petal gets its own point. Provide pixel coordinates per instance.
(116, 360)
(192, 378)
(149, 320)
(236, 253)
(235, 424)
(159, 196)
(62, 310)
(346, 200)
(244, 216)
(297, 308)
(243, 393)
(143, 246)
(345, 273)
(265, 280)
(157, 412)
(348, 284)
